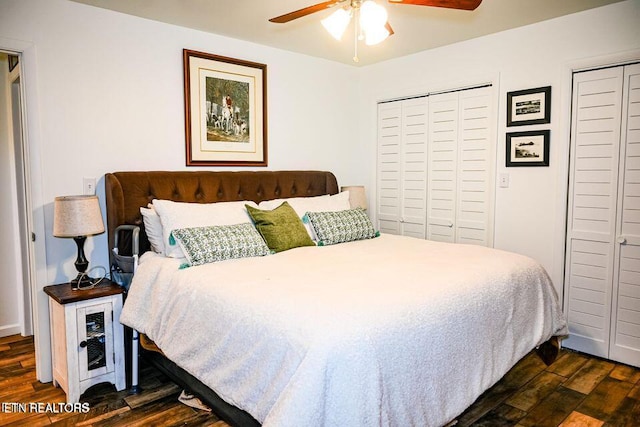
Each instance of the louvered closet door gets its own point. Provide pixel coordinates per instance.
(402, 168)
(389, 164)
(414, 168)
(461, 167)
(591, 227)
(474, 215)
(625, 323)
(442, 165)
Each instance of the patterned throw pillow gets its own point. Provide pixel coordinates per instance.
(341, 226)
(202, 245)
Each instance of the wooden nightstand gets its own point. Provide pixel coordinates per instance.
(86, 337)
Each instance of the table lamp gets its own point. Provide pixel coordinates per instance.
(357, 196)
(78, 217)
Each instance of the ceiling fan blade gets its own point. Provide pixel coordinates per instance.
(451, 4)
(305, 11)
(388, 27)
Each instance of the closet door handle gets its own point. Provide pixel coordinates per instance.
(450, 225)
(622, 240)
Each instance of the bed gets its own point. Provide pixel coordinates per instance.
(386, 330)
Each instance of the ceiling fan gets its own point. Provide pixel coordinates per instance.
(371, 24)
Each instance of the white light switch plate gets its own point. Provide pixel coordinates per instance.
(89, 186)
(504, 180)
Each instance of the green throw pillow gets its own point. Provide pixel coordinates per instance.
(202, 245)
(341, 226)
(281, 228)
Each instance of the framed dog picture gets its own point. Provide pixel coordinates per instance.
(528, 148)
(225, 102)
(529, 107)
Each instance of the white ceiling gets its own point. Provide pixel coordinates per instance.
(416, 28)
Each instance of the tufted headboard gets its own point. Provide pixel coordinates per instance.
(126, 192)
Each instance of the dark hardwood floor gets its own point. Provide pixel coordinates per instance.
(576, 390)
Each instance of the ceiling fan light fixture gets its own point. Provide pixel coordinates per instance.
(370, 18)
(337, 23)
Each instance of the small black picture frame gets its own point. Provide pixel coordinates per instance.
(529, 107)
(529, 148)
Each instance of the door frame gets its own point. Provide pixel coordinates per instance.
(18, 196)
(31, 139)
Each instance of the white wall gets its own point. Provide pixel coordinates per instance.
(109, 97)
(9, 316)
(530, 214)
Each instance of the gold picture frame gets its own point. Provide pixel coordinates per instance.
(225, 102)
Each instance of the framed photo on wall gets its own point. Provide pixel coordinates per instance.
(528, 148)
(225, 103)
(529, 107)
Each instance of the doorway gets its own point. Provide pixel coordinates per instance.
(15, 294)
(34, 242)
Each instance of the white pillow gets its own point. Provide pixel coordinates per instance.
(302, 205)
(153, 228)
(175, 215)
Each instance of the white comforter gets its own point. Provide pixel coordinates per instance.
(393, 331)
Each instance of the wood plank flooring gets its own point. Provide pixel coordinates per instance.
(576, 390)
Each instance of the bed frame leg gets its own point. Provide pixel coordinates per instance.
(548, 350)
(135, 388)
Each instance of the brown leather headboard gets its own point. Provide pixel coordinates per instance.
(126, 192)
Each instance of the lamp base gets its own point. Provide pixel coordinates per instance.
(82, 281)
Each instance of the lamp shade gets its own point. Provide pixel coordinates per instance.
(372, 15)
(337, 23)
(75, 216)
(373, 18)
(357, 196)
(376, 35)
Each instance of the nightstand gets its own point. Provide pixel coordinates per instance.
(86, 337)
